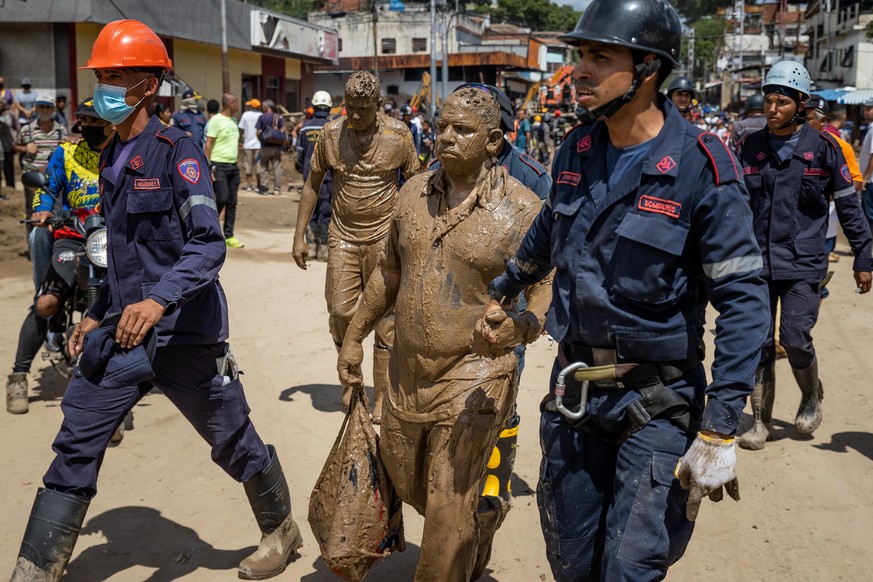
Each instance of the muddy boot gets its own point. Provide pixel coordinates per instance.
(311, 241)
(16, 393)
(809, 413)
(496, 496)
(323, 242)
(761, 431)
(381, 356)
(280, 537)
(51, 533)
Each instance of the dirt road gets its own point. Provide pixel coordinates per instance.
(165, 512)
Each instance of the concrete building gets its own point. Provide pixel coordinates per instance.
(840, 54)
(269, 54)
(398, 44)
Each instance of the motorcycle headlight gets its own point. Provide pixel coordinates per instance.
(95, 248)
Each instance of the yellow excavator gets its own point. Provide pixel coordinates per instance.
(556, 92)
(422, 96)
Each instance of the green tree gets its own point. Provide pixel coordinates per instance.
(534, 14)
(708, 36)
(294, 8)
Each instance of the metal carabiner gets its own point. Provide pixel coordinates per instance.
(560, 388)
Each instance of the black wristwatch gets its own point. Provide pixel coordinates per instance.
(497, 296)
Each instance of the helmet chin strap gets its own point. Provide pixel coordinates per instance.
(794, 118)
(606, 111)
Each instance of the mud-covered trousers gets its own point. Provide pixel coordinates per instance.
(609, 512)
(187, 376)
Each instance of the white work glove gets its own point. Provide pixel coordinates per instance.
(709, 465)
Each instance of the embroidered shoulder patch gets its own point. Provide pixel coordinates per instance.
(761, 156)
(659, 206)
(571, 178)
(136, 163)
(146, 183)
(750, 170)
(808, 155)
(847, 175)
(189, 169)
(665, 165)
(584, 144)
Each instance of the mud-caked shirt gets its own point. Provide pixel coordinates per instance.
(365, 178)
(445, 259)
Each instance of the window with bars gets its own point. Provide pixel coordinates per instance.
(419, 45)
(389, 46)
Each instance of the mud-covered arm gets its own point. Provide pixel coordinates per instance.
(731, 264)
(379, 294)
(532, 261)
(378, 299)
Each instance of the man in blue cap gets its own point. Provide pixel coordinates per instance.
(190, 119)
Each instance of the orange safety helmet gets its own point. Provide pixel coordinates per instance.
(126, 44)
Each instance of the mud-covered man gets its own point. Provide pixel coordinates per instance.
(450, 392)
(364, 150)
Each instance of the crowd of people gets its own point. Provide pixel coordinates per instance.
(454, 245)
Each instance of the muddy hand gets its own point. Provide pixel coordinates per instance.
(77, 338)
(136, 320)
(348, 365)
(299, 251)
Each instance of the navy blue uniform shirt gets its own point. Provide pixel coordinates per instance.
(790, 204)
(164, 239)
(192, 122)
(635, 262)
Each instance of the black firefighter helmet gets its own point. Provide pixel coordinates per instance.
(681, 84)
(645, 25)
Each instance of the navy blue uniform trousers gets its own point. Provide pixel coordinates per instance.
(613, 512)
(187, 376)
(800, 301)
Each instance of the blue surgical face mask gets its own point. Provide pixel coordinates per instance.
(110, 104)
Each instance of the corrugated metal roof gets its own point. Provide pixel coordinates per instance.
(856, 97)
(831, 94)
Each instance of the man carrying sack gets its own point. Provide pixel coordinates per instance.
(449, 392)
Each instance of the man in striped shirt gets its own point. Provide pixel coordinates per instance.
(36, 142)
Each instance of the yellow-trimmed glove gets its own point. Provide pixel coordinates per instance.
(709, 465)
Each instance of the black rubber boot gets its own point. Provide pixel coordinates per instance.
(495, 496)
(762, 398)
(271, 503)
(51, 533)
(809, 413)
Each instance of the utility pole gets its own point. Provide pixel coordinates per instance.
(433, 60)
(691, 54)
(225, 66)
(375, 40)
(445, 45)
(740, 15)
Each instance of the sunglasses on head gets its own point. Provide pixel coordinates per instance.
(482, 87)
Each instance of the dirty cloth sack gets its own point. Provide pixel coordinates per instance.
(354, 511)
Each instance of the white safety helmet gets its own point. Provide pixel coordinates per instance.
(788, 74)
(322, 99)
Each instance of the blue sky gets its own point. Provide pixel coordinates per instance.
(577, 4)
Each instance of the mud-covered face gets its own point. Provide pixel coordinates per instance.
(464, 143)
(361, 112)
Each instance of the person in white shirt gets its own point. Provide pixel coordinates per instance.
(251, 143)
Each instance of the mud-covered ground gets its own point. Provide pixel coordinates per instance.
(165, 512)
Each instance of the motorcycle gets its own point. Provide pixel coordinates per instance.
(91, 262)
